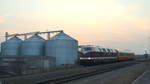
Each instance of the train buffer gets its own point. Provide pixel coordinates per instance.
(143, 79)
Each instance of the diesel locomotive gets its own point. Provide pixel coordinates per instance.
(91, 55)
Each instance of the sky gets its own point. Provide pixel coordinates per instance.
(120, 24)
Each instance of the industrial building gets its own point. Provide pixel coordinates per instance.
(37, 53)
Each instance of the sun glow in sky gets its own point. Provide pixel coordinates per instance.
(122, 24)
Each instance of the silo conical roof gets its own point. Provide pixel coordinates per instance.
(35, 38)
(62, 35)
(13, 39)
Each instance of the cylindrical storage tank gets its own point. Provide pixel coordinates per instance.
(11, 47)
(33, 46)
(2, 48)
(64, 48)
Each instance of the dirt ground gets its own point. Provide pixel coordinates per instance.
(121, 76)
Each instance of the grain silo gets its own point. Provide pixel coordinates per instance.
(33, 46)
(11, 47)
(2, 48)
(63, 47)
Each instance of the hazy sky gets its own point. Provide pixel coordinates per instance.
(122, 24)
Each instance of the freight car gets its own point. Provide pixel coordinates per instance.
(92, 55)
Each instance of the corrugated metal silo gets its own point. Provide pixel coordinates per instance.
(33, 46)
(2, 47)
(64, 48)
(11, 47)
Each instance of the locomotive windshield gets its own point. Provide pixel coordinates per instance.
(104, 49)
(88, 49)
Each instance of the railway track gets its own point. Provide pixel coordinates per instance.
(87, 72)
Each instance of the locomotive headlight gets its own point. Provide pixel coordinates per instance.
(89, 58)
